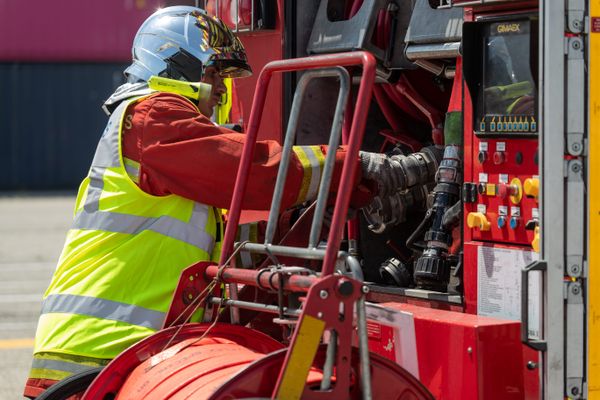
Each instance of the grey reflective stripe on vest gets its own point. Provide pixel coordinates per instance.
(107, 152)
(107, 156)
(58, 365)
(92, 200)
(104, 309)
(133, 172)
(133, 224)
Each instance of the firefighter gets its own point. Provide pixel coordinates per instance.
(149, 205)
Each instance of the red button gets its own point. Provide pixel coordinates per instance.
(498, 157)
(502, 190)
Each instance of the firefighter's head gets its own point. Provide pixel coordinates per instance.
(187, 44)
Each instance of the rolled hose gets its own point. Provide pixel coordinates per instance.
(193, 373)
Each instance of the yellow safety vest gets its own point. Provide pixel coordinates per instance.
(121, 262)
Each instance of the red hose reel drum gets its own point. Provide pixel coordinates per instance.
(195, 372)
(231, 362)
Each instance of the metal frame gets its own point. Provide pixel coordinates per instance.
(591, 181)
(552, 204)
(575, 341)
(236, 29)
(195, 280)
(334, 140)
(349, 168)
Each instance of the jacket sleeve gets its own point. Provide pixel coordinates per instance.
(182, 152)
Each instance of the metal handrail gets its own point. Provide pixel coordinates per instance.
(349, 168)
(334, 140)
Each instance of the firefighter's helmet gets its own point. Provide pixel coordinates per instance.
(180, 42)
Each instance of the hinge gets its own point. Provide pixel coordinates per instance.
(574, 340)
(575, 92)
(575, 219)
(575, 16)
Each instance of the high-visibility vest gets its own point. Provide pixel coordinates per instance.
(122, 259)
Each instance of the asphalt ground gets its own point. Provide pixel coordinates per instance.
(32, 233)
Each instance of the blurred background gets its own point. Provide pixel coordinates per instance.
(59, 61)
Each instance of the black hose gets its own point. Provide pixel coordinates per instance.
(419, 231)
(452, 216)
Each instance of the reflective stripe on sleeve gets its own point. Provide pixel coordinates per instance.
(312, 160)
(105, 309)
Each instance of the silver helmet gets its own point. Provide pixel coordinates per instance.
(180, 42)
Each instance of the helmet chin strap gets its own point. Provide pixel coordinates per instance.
(184, 65)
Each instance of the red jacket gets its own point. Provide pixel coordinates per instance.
(182, 152)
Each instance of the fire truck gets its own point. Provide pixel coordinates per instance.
(472, 281)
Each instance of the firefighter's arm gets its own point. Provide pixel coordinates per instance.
(183, 153)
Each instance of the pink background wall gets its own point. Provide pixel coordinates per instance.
(70, 30)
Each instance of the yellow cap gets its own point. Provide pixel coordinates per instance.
(535, 243)
(531, 187)
(478, 220)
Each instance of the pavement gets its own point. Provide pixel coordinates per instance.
(32, 233)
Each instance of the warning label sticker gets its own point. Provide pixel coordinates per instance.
(499, 285)
(595, 25)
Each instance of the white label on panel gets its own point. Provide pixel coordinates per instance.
(483, 146)
(481, 208)
(515, 211)
(483, 177)
(502, 210)
(535, 213)
(503, 178)
(499, 285)
(500, 146)
(404, 343)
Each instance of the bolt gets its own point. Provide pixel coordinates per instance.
(319, 315)
(531, 365)
(575, 289)
(576, 147)
(576, 167)
(576, 45)
(575, 269)
(365, 289)
(575, 391)
(323, 294)
(576, 24)
(470, 350)
(345, 288)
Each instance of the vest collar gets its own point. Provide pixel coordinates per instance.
(125, 92)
